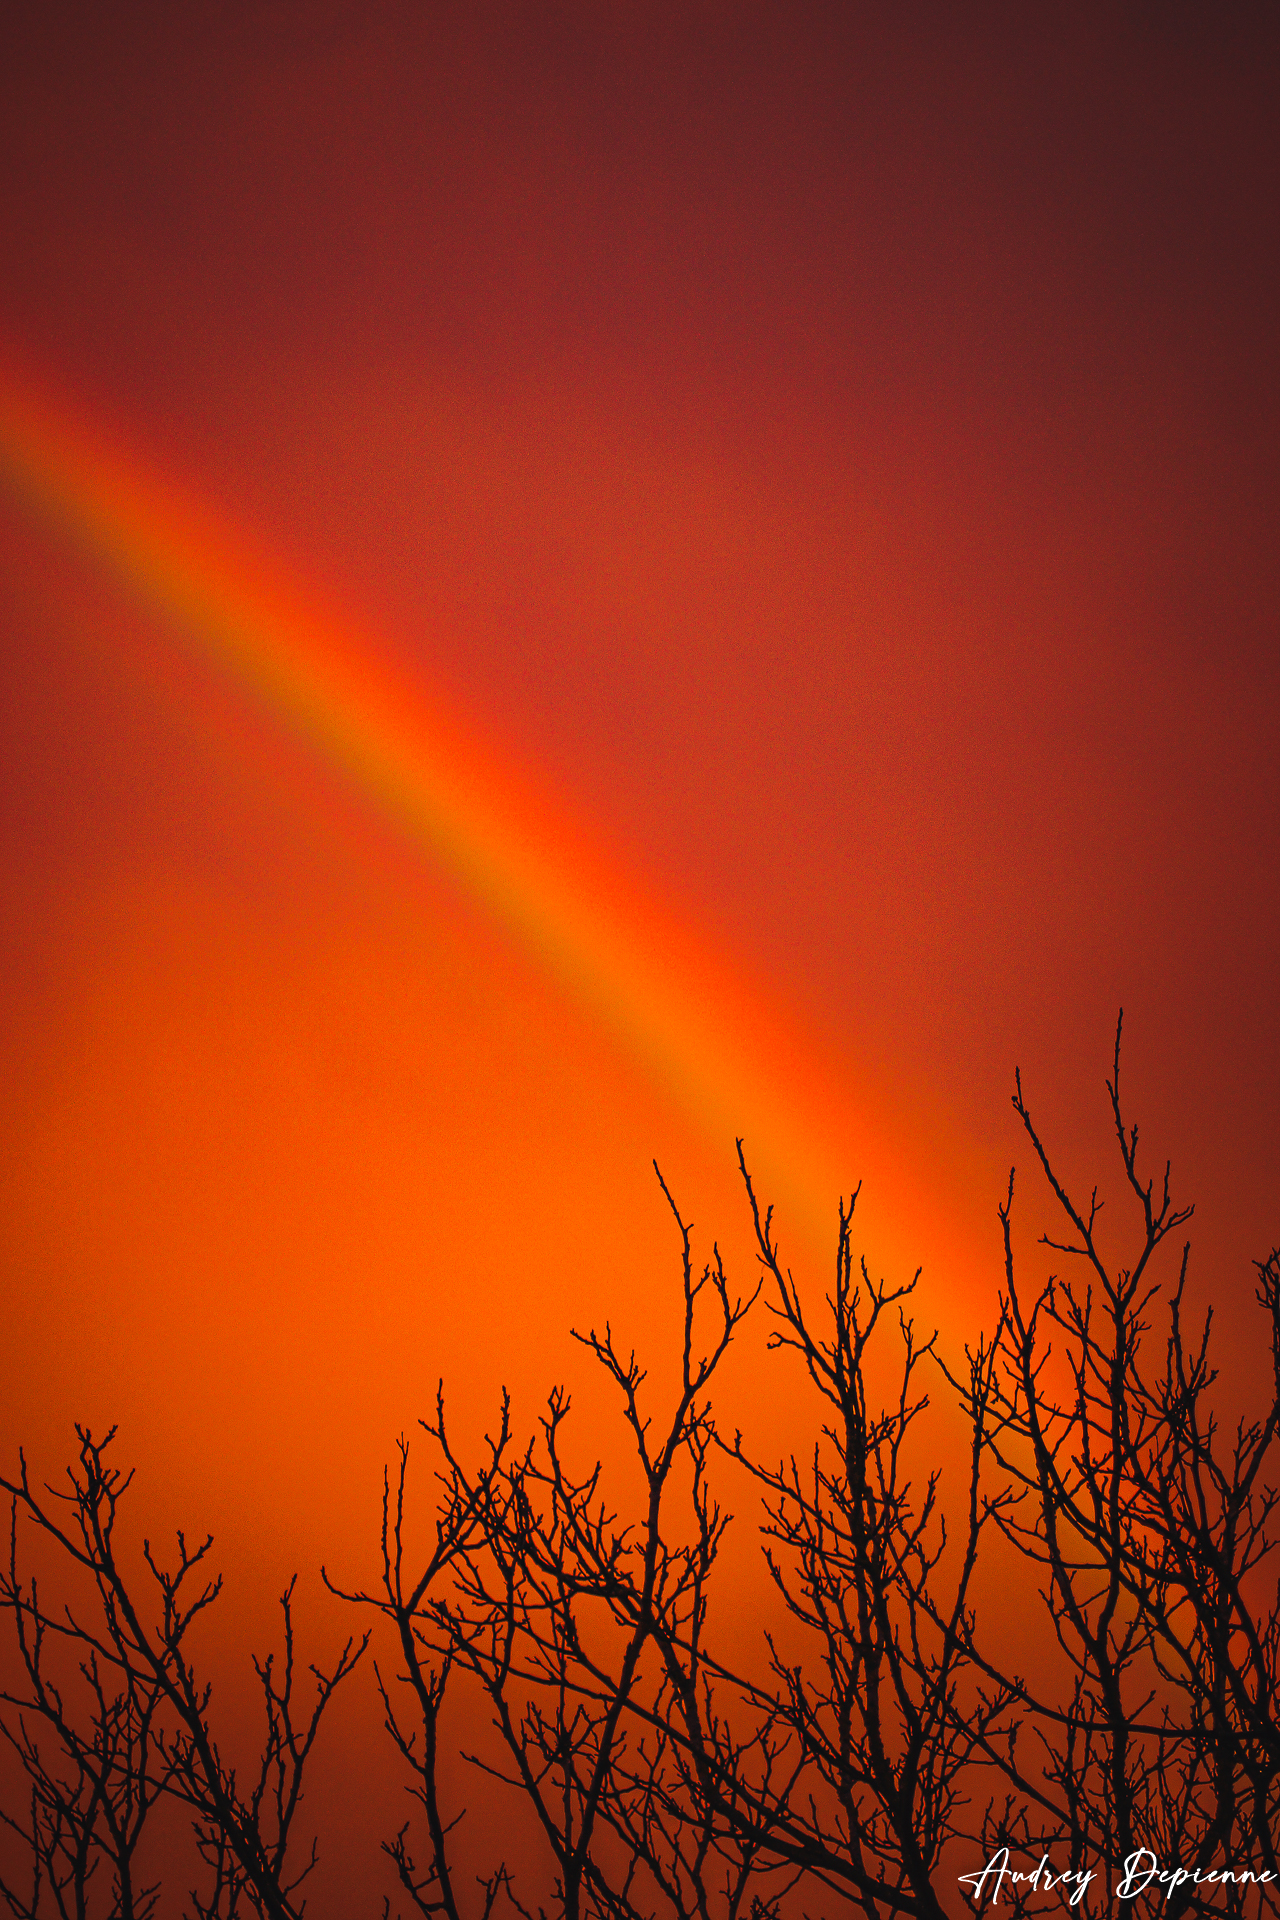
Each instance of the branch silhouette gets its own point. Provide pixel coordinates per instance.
(148, 1733)
(565, 1626)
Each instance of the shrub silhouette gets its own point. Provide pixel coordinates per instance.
(880, 1751)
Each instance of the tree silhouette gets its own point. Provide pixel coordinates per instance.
(144, 1731)
(1149, 1530)
(877, 1747)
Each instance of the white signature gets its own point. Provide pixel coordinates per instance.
(1142, 1871)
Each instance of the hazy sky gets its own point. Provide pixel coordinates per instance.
(826, 458)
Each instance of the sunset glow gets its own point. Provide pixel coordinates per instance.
(688, 1024)
(578, 584)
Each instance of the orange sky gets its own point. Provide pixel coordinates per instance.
(827, 472)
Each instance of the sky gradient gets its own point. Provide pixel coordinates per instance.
(576, 581)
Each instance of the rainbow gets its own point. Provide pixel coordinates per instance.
(696, 1029)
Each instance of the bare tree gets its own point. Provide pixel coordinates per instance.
(876, 1737)
(681, 1784)
(95, 1779)
(92, 1780)
(538, 1592)
(888, 1734)
(1148, 1533)
(876, 1741)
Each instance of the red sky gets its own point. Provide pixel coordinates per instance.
(829, 459)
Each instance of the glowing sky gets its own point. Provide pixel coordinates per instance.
(801, 484)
